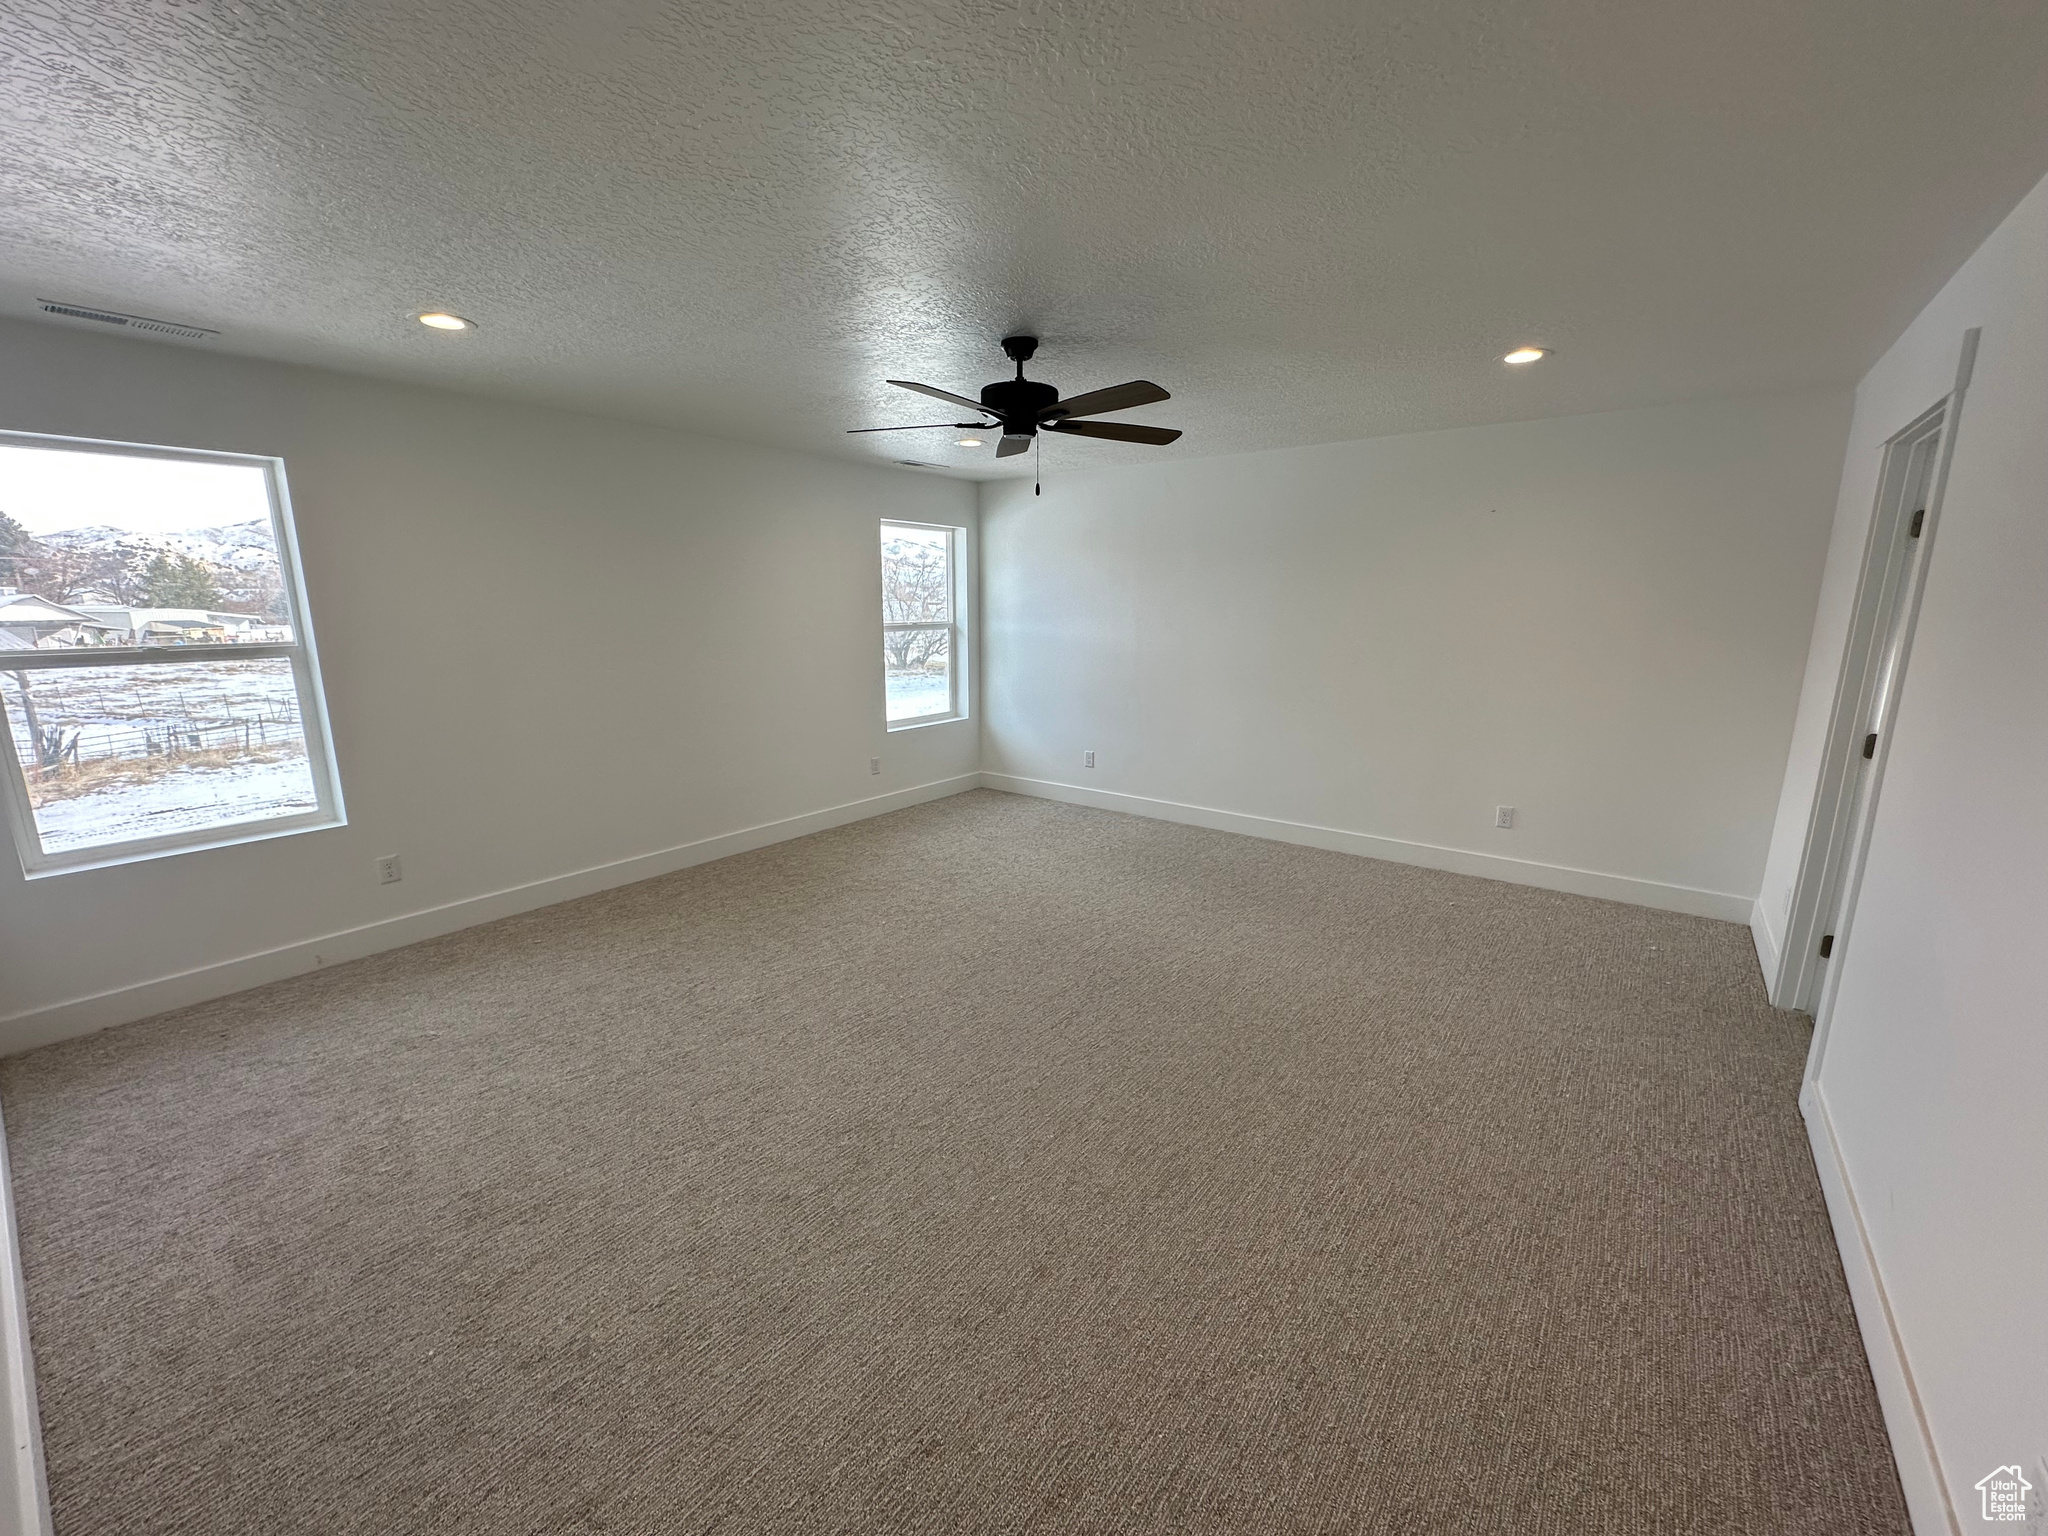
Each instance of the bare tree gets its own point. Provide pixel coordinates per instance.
(910, 649)
(917, 588)
(257, 591)
(64, 574)
(916, 583)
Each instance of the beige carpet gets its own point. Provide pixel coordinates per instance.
(994, 1166)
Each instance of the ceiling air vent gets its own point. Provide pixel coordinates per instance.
(126, 322)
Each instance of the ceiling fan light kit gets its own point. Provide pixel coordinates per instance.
(1022, 408)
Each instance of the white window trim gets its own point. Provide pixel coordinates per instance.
(956, 644)
(328, 810)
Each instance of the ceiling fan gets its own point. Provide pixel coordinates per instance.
(1023, 408)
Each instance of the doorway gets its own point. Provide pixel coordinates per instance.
(1910, 482)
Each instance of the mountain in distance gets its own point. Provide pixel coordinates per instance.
(233, 546)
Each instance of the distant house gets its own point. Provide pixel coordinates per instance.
(31, 623)
(185, 626)
(178, 629)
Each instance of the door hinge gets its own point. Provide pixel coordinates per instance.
(1827, 945)
(1870, 745)
(1919, 517)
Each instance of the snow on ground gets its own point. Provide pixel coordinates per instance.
(132, 712)
(913, 695)
(187, 799)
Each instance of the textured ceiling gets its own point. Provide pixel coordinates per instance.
(1309, 221)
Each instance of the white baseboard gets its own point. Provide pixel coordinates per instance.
(1920, 1472)
(82, 1016)
(1489, 866)
(24, 1493)
(1766, 942)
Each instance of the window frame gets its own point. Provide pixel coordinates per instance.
(956, 642)
(328, 811)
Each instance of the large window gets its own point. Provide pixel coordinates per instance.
(921, 652)
(156, 669)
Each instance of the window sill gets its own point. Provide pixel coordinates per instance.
(227, 837)
(923, 721)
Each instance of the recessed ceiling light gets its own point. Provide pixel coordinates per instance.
(970, 442)
(1523, 355)
(441, 320)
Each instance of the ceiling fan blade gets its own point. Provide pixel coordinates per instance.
(1119, 431)
(941, 394)
(1118, 397)
(929, 426)
(1012, 443)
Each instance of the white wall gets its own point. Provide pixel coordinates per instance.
(724, 673)
(1935, 1077)
(1600, 620)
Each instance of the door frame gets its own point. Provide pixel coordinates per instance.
(1886, 608)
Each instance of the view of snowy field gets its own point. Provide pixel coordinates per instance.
(915, 694)
(116, 753)
(185, 799)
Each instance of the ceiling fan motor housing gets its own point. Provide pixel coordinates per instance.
(1021, 403)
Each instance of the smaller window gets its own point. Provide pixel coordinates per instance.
(921, 650)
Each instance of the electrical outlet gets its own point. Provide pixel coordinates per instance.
(388, 872)
(1503, 815)
(1087, 759)
(874, 765)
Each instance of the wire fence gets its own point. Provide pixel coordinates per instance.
(55, 745)
(64, 720)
